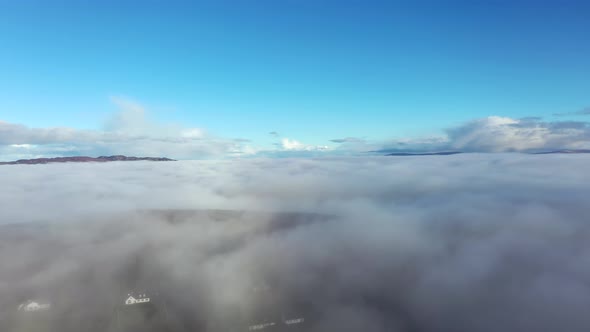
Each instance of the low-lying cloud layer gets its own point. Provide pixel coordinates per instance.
(474, 242)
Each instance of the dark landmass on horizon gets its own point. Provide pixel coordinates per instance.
(565, 151)
(81, 159)
(102, 159)
(444, 153)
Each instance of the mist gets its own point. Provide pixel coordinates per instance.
(471, 242)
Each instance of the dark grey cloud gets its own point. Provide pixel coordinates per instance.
(431, 144)
(348, 140)
(473, 242)
(564, 125)
(584, 111)
(531, 119)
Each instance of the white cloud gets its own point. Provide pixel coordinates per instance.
(293, 145)
(23, 146)
(288, 144)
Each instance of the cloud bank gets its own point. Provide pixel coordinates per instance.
(128, 132)
(131, 132)
(477, 242)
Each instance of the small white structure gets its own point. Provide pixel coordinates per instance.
(294, 321)
(142, 298)
(261, 326)
(33, 306)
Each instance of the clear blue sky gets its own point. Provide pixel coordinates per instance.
(310, 69)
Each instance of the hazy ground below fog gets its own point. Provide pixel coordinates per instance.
(473, 242)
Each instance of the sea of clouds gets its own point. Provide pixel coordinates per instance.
(471, 242)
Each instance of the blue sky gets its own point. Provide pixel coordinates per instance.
(310, 70)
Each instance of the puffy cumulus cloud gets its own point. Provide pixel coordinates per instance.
(290, 148)
(129, 131)
(289, 144)
(474, 242)
(284, 147)
(293, 145)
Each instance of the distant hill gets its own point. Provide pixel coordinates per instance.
(562, 151)
(81, 159)
(444, 153)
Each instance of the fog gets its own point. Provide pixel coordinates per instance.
(471, 242)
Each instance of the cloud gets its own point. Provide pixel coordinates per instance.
(289, 144)
(131, 115)
(293, 145)
(497, 134)
(132, 120)
(11, 134)
(423, 144)
(129, 131)
(348, 140)
(285, 147)
(501, 134)
(584, 111)
(474, 242)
